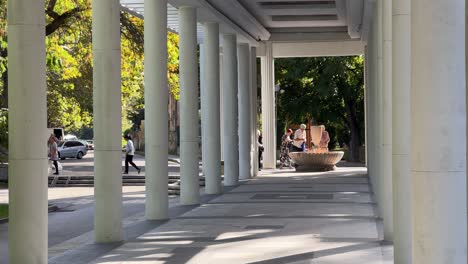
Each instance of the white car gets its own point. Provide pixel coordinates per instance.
(69, 137)
(72, 149)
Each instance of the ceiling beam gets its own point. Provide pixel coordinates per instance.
(341, 10)
(237, 16)
(354, 11)
(308, 36)
(367, 17)
(317, 49)
(297, 11)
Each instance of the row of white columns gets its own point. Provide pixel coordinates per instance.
(28, 170)
(237, 117)
(28, 165)
(417, 128)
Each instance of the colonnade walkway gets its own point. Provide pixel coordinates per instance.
(278, 217)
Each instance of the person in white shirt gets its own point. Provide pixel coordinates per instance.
(300, 138)
(129, 153)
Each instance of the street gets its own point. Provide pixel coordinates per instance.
(85, 166)
(72, 224)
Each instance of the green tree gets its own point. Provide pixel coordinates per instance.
(69, 63)
(329, 90)
(137, 113)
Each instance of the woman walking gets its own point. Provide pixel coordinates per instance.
(53, 152)
(286, 141)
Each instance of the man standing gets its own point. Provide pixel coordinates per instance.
(300, 137)
(129, 153)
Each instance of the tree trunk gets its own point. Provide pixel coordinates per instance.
(4, 94)
(351, 120)
(354, 145)
(172, 124)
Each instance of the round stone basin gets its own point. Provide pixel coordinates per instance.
(310, 161)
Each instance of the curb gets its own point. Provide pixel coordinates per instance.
(142, 153)
(52, 208)
(174, 160)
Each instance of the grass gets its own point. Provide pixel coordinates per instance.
(3, 210)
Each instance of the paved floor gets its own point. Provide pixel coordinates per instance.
(279, 217)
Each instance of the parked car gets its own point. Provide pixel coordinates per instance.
(90, 144)
(70, 137)
(72, 149)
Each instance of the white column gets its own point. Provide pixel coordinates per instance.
(379, 107)
(231, 139)
(211, 102)
(107, 121)
(466, 82)
(203, 103)
(253, 110)
(221, 106)
(156, 115)
(387, 121)
(27, 226)
(268, 107)
(369, 73)
(189, 128)
(369, 90)
(244, 110)
(366, 103)
(401, 65)
(438, 116)
(371, 106)
(374, 117)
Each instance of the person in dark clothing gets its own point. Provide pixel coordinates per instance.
(260, 149)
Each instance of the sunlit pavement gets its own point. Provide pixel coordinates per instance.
(72, 225)
(279, 217)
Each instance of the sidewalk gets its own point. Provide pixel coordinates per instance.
(278, 217)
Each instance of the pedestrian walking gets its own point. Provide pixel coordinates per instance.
(260, 149)
(286, 142)
(129, 153)
(53, 152)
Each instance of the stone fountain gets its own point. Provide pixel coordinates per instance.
(319, 158)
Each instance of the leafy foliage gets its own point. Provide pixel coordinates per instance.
(137, 113)
(329, 90)
(69, 65)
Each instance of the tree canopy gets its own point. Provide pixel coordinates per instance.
(70, 65)
(329, 90)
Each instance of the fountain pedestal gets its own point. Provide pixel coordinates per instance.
(312, 161)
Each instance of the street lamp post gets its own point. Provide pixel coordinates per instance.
(278, 90)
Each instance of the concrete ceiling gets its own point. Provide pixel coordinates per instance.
(294, 14)
(307, 20)
(137, 8)
(276, 20)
